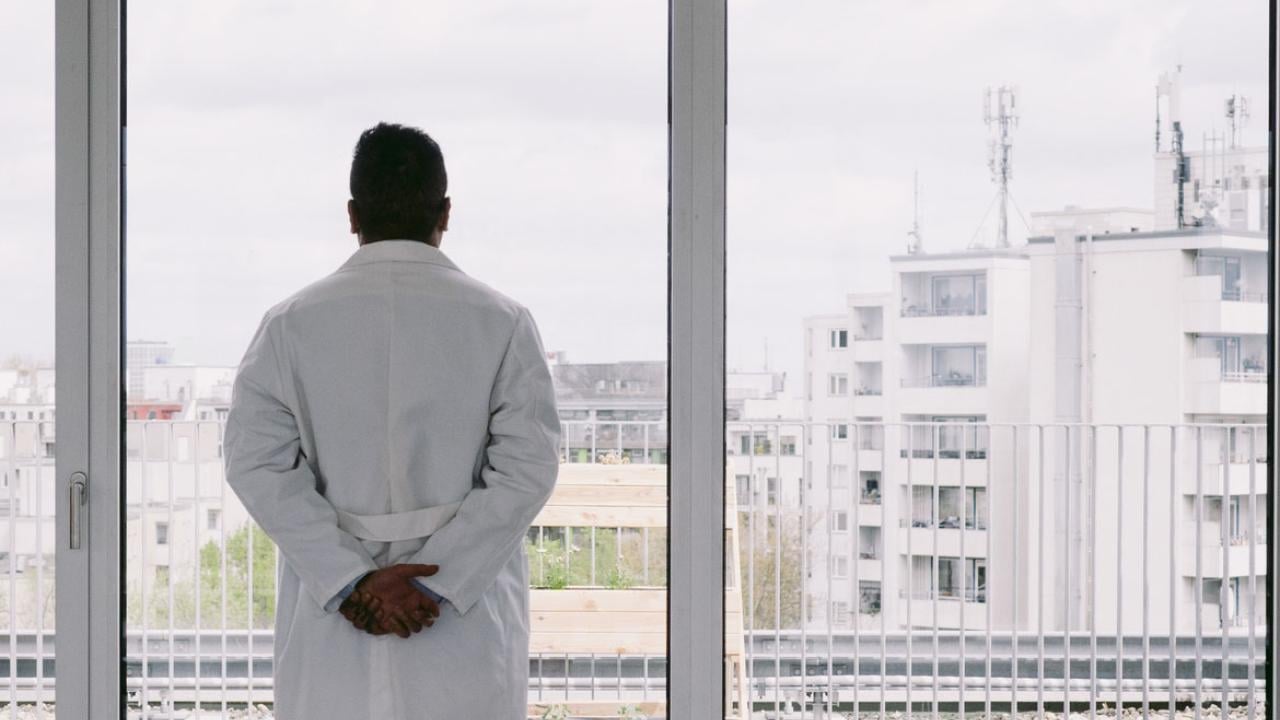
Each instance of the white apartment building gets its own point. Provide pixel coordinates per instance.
(1097, 324)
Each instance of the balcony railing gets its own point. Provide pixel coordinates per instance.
(613, 441)
(1066, 657)
(964, 309)
(1244, 296)
(946, 523)
(955, 592)
(1129, 504)
(1244, 376)
(945, 379)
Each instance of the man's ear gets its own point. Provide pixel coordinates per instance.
(351, 217)
(443, 224)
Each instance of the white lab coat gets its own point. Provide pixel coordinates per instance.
(395, 384)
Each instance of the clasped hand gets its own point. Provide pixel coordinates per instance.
(387, 601)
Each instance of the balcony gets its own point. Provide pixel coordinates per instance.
(942, 608)
(1237, 477)
(868, 402)
(1210, 391)
(1236, 558)
(1209, 309)
(868, 349)
(944, 394)
(926, 540)
(870, 567)
(925, 326)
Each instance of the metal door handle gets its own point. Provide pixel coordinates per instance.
(76, 496)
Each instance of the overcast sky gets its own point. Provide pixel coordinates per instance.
(552, 117)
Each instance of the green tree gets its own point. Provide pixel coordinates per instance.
(237, 580)
(773, 594)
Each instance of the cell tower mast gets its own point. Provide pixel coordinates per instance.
(999, 109)
(1237, 113)
(1170, 87)
(915, 241)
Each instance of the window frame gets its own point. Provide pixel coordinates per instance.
(90, 130)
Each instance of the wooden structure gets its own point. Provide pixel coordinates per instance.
(628, 621)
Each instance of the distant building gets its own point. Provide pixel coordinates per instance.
(1092, 325)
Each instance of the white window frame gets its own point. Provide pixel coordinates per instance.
(837, 384)
(89, 137)
(839, 339)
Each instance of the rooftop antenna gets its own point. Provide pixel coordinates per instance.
(1169, 86)
(915, 241)
(1237, 113)
(999, 111)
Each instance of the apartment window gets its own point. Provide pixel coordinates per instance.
(840, 566)
(840, 612)
(869, 487)
(976, 508)
(787, 445)
(959, 294)
(162, 533)
(212, 516)
(921, 506)
(772, 491)
(948, 584)
(839, 476)
(839, 339)
(976, 580)
(839, 520)
(959, 365)
(869, 542)
(839, 432)
(837, 384)
(950, 436)
(743, 483)
(869, 597)
(1228, 267)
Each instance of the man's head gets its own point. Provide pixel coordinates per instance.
(398, 186)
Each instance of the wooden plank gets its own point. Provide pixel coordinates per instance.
(610, 495)
(559, 643)
(602, 709)
(595, 600)
(599, 474)
(594, 516)
(636, 623)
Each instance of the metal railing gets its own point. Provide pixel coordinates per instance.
(1244, 376)
(1244, 296)
(1088, 568)
(613, 441)
(949, 379)
(961, 310)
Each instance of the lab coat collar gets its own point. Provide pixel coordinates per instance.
(398, 251)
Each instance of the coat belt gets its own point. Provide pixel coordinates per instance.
(408, 525)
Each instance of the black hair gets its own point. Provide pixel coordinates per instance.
(398, 183)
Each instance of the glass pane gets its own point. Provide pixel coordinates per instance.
(552, 122)
(1057, 356)
(27, 437)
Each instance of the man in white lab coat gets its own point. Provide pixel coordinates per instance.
(393, 429)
